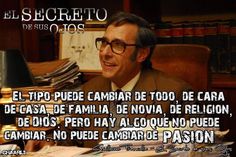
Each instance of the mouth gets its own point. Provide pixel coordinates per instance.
(108, 64)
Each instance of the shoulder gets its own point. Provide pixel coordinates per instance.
(166, 82)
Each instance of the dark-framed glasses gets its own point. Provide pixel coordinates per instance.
(117, 46)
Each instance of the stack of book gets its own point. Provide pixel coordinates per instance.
(58, 74)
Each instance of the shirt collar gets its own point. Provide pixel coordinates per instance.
(128, 86)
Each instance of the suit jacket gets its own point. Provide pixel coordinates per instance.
(150, 80)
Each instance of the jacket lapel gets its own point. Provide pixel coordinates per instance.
(146, 82)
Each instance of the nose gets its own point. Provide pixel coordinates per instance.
(107, 51)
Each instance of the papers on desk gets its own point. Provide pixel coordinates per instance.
(168, 148)
(138, 144)
(58, 74)
(6, 148)
(58, 151)
(140, 154)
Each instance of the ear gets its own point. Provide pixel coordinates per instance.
(142, 54)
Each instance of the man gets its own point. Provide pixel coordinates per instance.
(124, 53)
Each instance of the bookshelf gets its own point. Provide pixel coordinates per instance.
(197, 9)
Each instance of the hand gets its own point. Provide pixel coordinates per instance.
(33, 145)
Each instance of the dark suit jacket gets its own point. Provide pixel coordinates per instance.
(150, 80)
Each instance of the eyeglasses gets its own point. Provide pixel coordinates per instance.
(117, 46)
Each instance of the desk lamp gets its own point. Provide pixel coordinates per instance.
(14, 73)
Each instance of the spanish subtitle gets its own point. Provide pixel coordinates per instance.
(150, 120)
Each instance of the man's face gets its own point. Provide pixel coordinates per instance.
(119, 67)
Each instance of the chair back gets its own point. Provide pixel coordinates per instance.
(186, 61)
